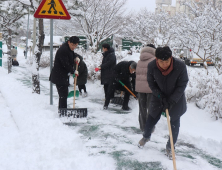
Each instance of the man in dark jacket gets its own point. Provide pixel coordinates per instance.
(108, 63)
(167, 78)
(63, 67)
(121, 73)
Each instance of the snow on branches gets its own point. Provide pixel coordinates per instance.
(205, 91)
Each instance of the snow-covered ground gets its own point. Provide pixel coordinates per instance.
(34, 138)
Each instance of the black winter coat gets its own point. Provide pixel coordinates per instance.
(83, 71)
(172, 86)
(107, 66)
(15, 63)
(63, 65)
(121, 72)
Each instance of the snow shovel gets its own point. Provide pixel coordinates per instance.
(128, 89)
(74, 112)
(117, 100)
(171, 140)
(71, 93)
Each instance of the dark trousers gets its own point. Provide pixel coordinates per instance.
(63, 94)
(82, 87)
(151, 122)
(117, 86)
(106, 89)
(144, 101)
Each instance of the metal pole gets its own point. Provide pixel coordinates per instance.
(0, 49)
(51, 59)
(26, 50)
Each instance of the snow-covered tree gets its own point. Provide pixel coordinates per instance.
(10, 12)
(148, 27)
(141, 27)
(33, 5)
(100, 19)
(203, 33)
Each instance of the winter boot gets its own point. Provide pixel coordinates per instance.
(142, 142)
(126, 108)
(85, 94)
(169, 153)
(80, 93)
(105, 107)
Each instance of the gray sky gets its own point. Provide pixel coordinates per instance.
(137, 4)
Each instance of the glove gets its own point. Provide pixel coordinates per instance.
(97, 69)
(171, 103)
(165, 104)
(77, 60)
(76, 73)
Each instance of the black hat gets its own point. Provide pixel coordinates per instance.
(151, 45)
(74, 40)
(106, 46)
(163, 53)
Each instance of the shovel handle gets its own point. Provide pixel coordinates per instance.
(171, 139)
(127, 89)
(75, 81)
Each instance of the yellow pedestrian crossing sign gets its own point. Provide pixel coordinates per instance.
(52, 9)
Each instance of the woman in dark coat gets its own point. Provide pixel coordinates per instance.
(83, 74)
(63, 67)
(167, 78)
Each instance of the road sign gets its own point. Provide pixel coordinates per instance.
(52, 9)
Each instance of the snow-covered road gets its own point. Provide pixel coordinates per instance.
(33, 136)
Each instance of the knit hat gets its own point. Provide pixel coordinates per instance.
(163, 53)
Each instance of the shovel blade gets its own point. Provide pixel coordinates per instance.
(73, 113)
(117, 100)
(71, 94)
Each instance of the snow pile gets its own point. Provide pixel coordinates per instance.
(32, 135)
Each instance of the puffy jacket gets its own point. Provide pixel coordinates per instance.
(147, 55)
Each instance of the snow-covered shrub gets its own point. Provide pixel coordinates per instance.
(45, 60)
(120, 55)
(93, 60)
(205, 90)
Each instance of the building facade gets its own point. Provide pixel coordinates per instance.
(166, 5)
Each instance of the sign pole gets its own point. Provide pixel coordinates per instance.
(0, 49)
(51, 59)
(53, 10)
